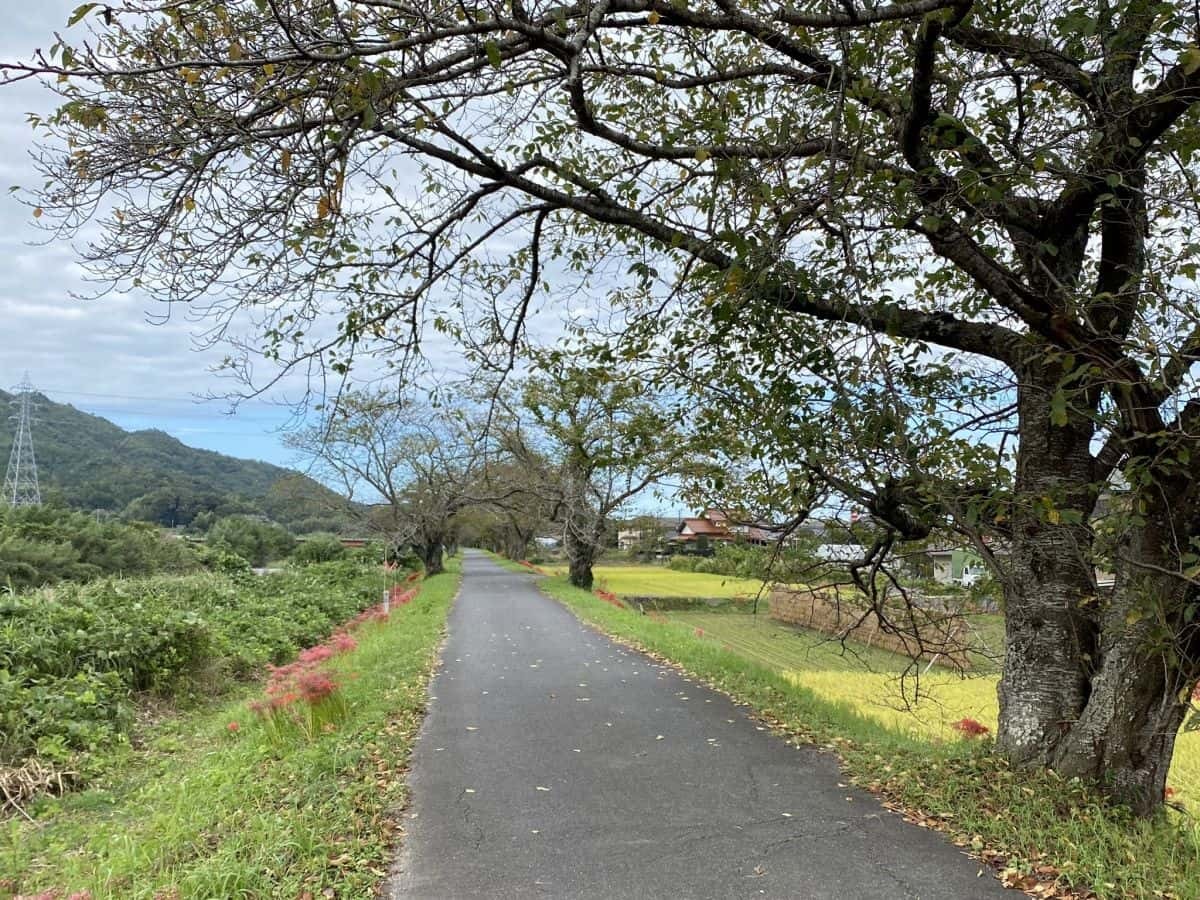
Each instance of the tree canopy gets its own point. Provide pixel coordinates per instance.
(940, 254)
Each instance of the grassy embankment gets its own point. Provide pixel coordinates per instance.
(1030, 826)
(212, 809)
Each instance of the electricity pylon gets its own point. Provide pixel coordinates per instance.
(21, 479)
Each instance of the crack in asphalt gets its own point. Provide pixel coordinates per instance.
(468, 821)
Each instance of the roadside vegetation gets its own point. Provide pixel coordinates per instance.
(927, 757)
(78, 660)
(46, 544)
(285, 789)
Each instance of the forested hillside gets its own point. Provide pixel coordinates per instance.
(90, 463)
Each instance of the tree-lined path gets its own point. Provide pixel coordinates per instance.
(556, 763)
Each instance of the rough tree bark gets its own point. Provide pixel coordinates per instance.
(1094, 685)
(581, 556)
(430, 549)
(582, 535)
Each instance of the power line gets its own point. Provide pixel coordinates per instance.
(21, 479)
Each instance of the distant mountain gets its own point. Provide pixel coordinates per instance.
(90, 463)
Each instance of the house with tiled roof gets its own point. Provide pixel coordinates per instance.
(716, 526)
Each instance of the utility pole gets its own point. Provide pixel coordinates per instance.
(21, 479)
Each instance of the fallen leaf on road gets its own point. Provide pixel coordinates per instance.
(540, 788)
(659, 738)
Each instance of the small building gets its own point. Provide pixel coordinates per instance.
(956, 565)
(646, 533)
(715, 526)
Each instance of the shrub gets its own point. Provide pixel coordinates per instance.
(256, 541)
(46, 545)
(319, 548)
(73, 657)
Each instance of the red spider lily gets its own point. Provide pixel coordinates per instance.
(315, 686)
(699, 632)
(283, 700)
(233, 727)
(342, 642)
(317, 654)
(969, 728)
(399, 596)
(609, 597)
(1168, 792)
(304, 678)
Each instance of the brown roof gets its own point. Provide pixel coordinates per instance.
(702, 525)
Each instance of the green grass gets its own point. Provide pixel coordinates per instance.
(206, 812)
(1026, 819)
(658, 581)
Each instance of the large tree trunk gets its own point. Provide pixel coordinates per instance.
(582, 532)
(1145, 669)
(1094, 685)
(516, 541)
(1049, 635)
(582, 550)
(430, 551)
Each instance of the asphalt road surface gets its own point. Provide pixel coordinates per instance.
(555, 763)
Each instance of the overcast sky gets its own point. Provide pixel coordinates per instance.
(103, 356)
(112, 356)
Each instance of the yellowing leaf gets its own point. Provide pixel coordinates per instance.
(189, 204)
(322, 207)
(1190, 60)
(702, 155)
(285, 160)
(37, 213)
(654, 18)
(269, 69)
(1053, 516)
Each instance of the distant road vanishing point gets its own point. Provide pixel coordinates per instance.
(555, 763)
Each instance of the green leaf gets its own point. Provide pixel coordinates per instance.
(1190, 60)
(80, 12)
(1058, 409)
(493, 54)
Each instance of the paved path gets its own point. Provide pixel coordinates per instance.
(555, 763)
